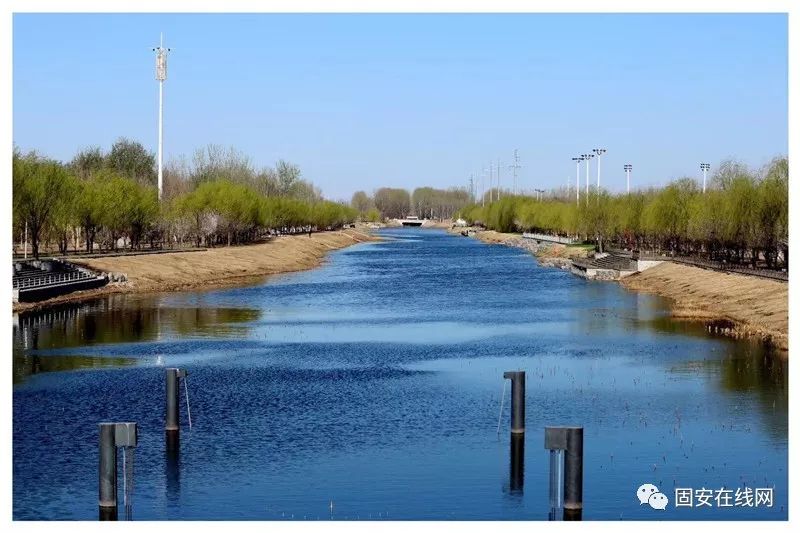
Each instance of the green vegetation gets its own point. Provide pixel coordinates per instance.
(743, 216)
(106, 200)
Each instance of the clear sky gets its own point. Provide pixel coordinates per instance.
(363, 101)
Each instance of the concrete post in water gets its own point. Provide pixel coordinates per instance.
(566, 471)
(112, 435)
(517, 400)
(172, 421)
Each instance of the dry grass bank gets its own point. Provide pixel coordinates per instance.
(758, 307)
(217, 267)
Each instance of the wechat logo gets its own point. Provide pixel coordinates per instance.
(649, 494)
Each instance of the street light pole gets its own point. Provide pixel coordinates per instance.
(628, 169)
(704, 167)
(588, 158)
(599, 152)
(577, 179)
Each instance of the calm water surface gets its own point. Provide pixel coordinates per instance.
(374, 382)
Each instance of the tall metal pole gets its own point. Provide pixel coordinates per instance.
(577, 179)
(704, 167)
(599, 152)
(491, 192)
(160, 137)
(483, 186)
(588, 159)
(514, 167)
(161, 76)
(628, 169)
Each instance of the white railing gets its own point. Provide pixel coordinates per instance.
(550, 238)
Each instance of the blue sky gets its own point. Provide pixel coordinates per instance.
(363, 101)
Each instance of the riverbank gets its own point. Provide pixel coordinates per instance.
(733, 304)
(212, 268)
(548, 254)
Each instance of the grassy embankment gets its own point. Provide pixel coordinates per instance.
(216, 267)
(755, 307)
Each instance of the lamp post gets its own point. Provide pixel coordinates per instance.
(588, 158)
(628, 169)
(161, 76)
(578, 179)
(705, 168)
(599, 152)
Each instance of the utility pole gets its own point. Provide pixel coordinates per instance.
(514, 168)
(491, 192)
(599, 152)
(705, 168)
(483, 186)
(471, 187)
(498, 179)
(161, 76)
(628, 169)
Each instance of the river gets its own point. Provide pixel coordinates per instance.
(370, 389)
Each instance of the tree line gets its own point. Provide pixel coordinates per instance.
(743, 216)
(424, 202)
(104, 200)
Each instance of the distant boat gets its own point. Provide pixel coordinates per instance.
(411, 221)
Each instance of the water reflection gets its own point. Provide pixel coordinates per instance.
(172, 473)
(29, 365)
(125, 318)
(754, 370)
(517, 463)
(115, 319)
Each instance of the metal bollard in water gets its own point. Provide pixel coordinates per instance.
(172, 420)
(566, 471)
(573, 474)
(517, 400)
(112, 436)
(517, 462)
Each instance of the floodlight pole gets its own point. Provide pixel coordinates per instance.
(577, 179)
(599, 152)
(588, 158)
(628, 169)
(704, 167)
